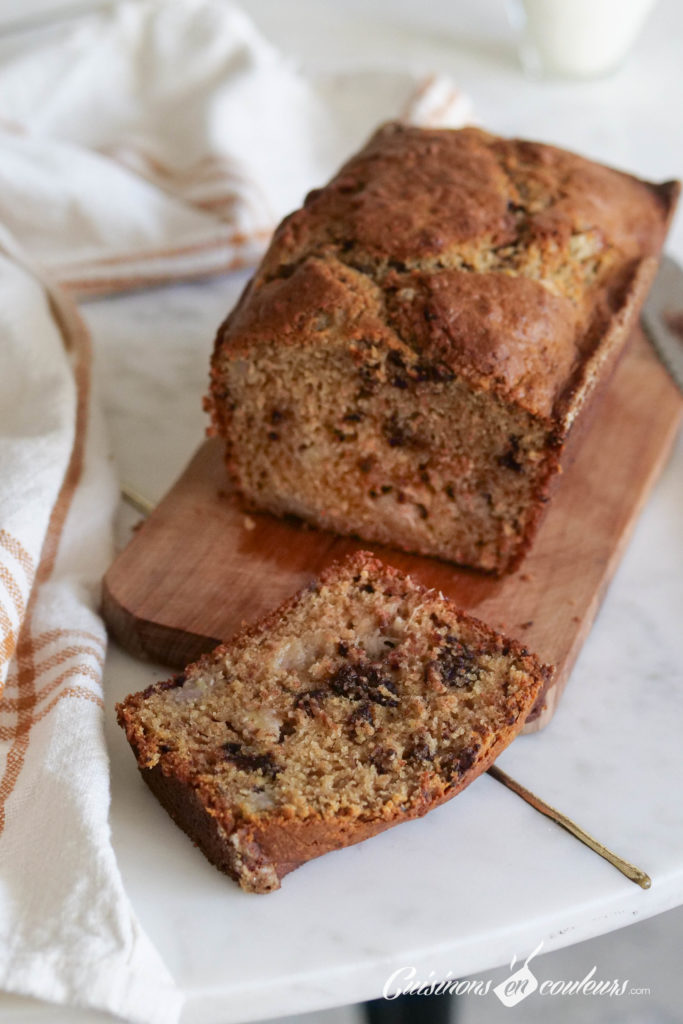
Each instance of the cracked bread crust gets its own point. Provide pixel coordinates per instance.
(436, 264)
(362, 702)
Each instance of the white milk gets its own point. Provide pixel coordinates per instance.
(580, 38)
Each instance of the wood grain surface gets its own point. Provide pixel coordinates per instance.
(199, 568)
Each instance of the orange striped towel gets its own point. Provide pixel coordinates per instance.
(163, 140)
(67, 930)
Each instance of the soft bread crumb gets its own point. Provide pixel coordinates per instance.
(363, 701)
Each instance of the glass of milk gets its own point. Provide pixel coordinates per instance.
(577, 38)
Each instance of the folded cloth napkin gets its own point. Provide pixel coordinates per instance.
(156, 142)
(166, 139)
(67, 931)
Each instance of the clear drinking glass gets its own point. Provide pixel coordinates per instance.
(576, 38)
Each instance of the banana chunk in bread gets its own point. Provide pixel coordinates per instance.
(362, 702)
(406, 363)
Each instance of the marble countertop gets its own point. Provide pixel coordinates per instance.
(485, 877)
(480, 879)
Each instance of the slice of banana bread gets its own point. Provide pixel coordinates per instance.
(408, 359)
(364, 701)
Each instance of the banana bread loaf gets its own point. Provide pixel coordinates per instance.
(362, 702)
(407, 361)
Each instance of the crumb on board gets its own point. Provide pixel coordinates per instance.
(527, 625)
(248, 523)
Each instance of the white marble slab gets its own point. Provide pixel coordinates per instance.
(485, 877)
(478, 880)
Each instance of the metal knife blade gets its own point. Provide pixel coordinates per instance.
(662, 317)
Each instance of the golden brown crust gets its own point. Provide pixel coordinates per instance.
(415, 194)
(515, 239)
(503, 333)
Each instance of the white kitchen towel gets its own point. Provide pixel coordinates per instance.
(158, 141)
(164, 139)
(67, 930)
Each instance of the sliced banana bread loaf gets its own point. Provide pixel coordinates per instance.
(362, 702)
(408, 359)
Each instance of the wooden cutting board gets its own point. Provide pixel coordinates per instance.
(198, 567)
